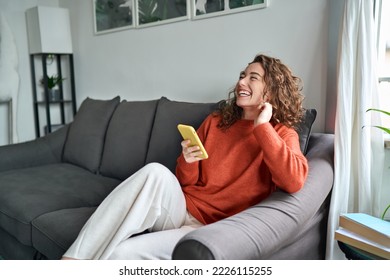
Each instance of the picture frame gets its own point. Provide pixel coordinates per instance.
(113, 15)
(156, 12)
(117, 15)
(200, 10)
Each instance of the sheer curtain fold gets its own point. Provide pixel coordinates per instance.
(358, 150)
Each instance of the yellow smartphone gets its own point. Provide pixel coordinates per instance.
(189, 133)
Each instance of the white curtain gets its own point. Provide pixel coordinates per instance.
(359, 152)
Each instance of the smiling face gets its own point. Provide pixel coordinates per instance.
(249, 90)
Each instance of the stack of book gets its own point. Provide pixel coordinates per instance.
(365, 232)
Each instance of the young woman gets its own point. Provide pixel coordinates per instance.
(253, 149)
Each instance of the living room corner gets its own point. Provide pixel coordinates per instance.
(133, 80)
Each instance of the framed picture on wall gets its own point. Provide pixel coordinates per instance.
(113, 15)
(211, 8)
(154, 12)
(116, 15)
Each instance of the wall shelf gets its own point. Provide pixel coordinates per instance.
(54, 102)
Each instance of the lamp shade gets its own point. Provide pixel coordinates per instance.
(48, 30)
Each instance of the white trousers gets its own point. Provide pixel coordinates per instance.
(150, 200)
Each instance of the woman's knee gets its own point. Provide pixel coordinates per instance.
(159, 172)
(157, 167)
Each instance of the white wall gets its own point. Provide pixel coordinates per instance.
(336, 8)
(190, 60)
(14, 13)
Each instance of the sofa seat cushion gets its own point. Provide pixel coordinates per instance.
(127, 138)
(54, 232)
(25, 194)
(164, 145)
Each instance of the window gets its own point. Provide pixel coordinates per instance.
(384, 58)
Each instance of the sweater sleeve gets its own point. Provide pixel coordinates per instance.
(282, 154)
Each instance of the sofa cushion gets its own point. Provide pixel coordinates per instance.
(54, 232)
(127, 138)
(84, 144)
(304, 128)
(28, 193)
(164, 145)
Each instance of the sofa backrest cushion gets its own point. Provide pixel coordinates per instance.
(127, 138)
(85, 140)
(164, 145)
(304, 128)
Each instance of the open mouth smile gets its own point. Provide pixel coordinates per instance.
(244, 93)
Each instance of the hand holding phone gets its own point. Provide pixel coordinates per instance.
(189, 133)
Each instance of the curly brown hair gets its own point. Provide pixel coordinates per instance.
(285, 95)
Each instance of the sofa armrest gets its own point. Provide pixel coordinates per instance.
(44, 150)
(261, 230)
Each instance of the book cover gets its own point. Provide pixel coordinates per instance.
(362, 243)
(367, 226)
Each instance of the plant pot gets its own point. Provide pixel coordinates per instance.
(54, 95)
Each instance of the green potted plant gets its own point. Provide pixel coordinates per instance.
(387, 130)
(52, 82)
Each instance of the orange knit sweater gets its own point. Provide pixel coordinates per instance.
(245, 165)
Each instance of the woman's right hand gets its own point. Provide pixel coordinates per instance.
(190, 154)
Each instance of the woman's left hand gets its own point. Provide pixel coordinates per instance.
(265, 114)
(190, 154)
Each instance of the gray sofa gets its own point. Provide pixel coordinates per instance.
(50, 186)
